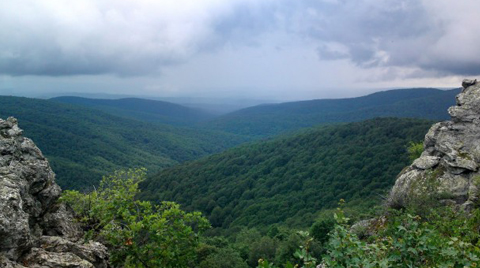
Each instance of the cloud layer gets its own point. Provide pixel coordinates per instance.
(131, 38)
(439, 36)
(95, 37)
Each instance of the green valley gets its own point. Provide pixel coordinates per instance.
(83, 144)
(291, 178)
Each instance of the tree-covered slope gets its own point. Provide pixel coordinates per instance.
(83, 144)
(142, 109)
(290, 178)
(266, 120)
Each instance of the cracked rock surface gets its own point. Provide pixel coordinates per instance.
(36, 231)
(448, 169)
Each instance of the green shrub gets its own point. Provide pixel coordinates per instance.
(303, 255)
(447, 238)
(138, 233)
(415, 149)
(345, 249)
(321, 228)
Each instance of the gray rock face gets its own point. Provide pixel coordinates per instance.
(36, 231)
(55, 251)
(448, 169)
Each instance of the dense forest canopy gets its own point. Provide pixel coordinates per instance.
(290, 178)
(83, 144)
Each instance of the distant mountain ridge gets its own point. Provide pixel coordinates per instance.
(82, 144)
(272, 119)
(142, 109)
(85, 138)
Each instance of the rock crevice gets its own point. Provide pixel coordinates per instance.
(448, 169)
(36, 230)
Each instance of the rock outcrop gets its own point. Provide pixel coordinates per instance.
(36, 230)
(448, 169)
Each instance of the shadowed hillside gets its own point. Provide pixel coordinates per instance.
(143, 109)
(267, 120)
(83, 144)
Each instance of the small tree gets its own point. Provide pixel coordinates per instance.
(415, 149)
(138, 233)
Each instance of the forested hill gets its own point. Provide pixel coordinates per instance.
(267, 120)
(289, 179)
(143, 109)
(82, 144)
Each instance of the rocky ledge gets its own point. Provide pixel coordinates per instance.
(448, 169)
(36, 230)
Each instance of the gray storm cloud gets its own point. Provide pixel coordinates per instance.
(438, 36)
(128, 38)
(97, 37)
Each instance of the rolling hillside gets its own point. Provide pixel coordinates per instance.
(290, 178)
(268, 120)
(143, 109)
(83, 144)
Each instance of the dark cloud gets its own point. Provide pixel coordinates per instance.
(326, 53)
(397, 33)
(118, 37)
(129, 38)
(365, 27)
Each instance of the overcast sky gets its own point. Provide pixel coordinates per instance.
(260, 49)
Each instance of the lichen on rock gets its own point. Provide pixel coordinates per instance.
(447, 169)
(35, 230)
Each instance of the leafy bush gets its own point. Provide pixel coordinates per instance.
(321, 228)
(303, 255)
(447, 239)
(138, 233)
(415, 149)
(443, 238)
(345, 249)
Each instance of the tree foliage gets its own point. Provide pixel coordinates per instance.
(83, 144)
(415, 149)
(138, 233)
(291, 178)
(446, 238)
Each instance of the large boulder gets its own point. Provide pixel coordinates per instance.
(447, 172)
(35, 230)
